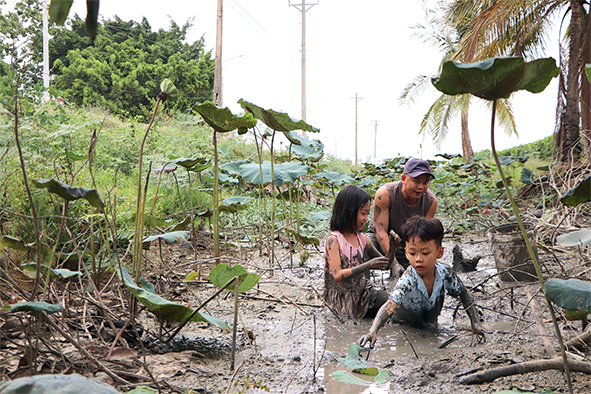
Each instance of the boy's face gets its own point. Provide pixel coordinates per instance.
(362, 216)
(423, 255)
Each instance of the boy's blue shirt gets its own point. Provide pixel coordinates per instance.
(414, 305)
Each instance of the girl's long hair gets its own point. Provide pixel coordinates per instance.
(344, 212)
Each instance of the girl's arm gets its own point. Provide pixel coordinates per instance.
(334, 262)
(378, 322)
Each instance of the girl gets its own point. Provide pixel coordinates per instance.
(348, 257)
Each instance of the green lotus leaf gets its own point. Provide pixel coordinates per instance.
(70, 193)
(579, 194)
(91, 22)
(226, 179)
(59, 10)
(38, 307)
(278, 121)
(356, 363)
(282, 173)
(346, 377)
(382, 377)
(527, 176)
(303, 240)
(21, 246)
(307, 148)
(30, 269)
(164, 309)
(233, 167)
(167, 87)
(575, 238)
(496, 78)
(222, 120)
(334, 178)
(234, 204)
(570, 294)
(169, 238)
(223, 273)
(56, 384)
(192, 163)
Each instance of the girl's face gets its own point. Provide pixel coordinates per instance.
(362, 216)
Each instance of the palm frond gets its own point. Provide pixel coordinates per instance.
(414, 89)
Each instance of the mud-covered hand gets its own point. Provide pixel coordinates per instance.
(394, 244)
(378, 263)
(368, 339)
(478, 334)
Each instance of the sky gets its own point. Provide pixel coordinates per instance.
(364, 49)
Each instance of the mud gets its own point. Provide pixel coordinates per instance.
(288, 342)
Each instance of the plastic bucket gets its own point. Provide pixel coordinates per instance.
(510, 252)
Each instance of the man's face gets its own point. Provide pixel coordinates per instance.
(415, 187)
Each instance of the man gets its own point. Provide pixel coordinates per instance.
(396, 202)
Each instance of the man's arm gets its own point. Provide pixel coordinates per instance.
(431, 212)
(381, 216)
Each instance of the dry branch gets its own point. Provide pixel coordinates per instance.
(529, 366)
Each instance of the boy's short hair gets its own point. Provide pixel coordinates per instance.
(422, 228)
(344, 212)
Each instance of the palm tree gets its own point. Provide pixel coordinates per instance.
(436, 121)
(519, 28)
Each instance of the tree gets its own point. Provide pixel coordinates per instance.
(519, 28)
(21, 40)
(443, 35)
(122, 69)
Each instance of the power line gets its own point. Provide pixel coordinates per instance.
(243, 10)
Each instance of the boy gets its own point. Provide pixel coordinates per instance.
(418, 296)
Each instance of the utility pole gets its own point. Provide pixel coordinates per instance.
(356, 101)
(375, 138)
(303, 7)
(217, 74)
(45, 50)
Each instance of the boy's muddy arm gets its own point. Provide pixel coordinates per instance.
(378, 322)
(468, 302)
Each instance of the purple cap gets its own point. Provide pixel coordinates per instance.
(417, 167)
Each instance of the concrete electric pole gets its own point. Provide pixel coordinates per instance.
(303, 7)
(217, 73)
(45, 50)
(356, 101)
(375, 138)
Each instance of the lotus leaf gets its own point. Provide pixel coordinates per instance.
(233, 167)
(74, 156)
(191, 163)
(164, 309)
(30, 270)
(223, 273)
(346, 377)
(307, 148)
(278, 121)
(234, 204)
(70, 193)
(570, 294)
(496, 78)
(222, 120)
(37, 307)
(527, 176)
(579, 194)
(322, 215)
(303, 240)
(334, 178)
(575, 238)
(357, 364)
(170, 238)
(167, 87)
(223, 178)
(58, 11)
(282, 173)
(56, 384)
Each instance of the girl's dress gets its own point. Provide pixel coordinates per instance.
(352, 296)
